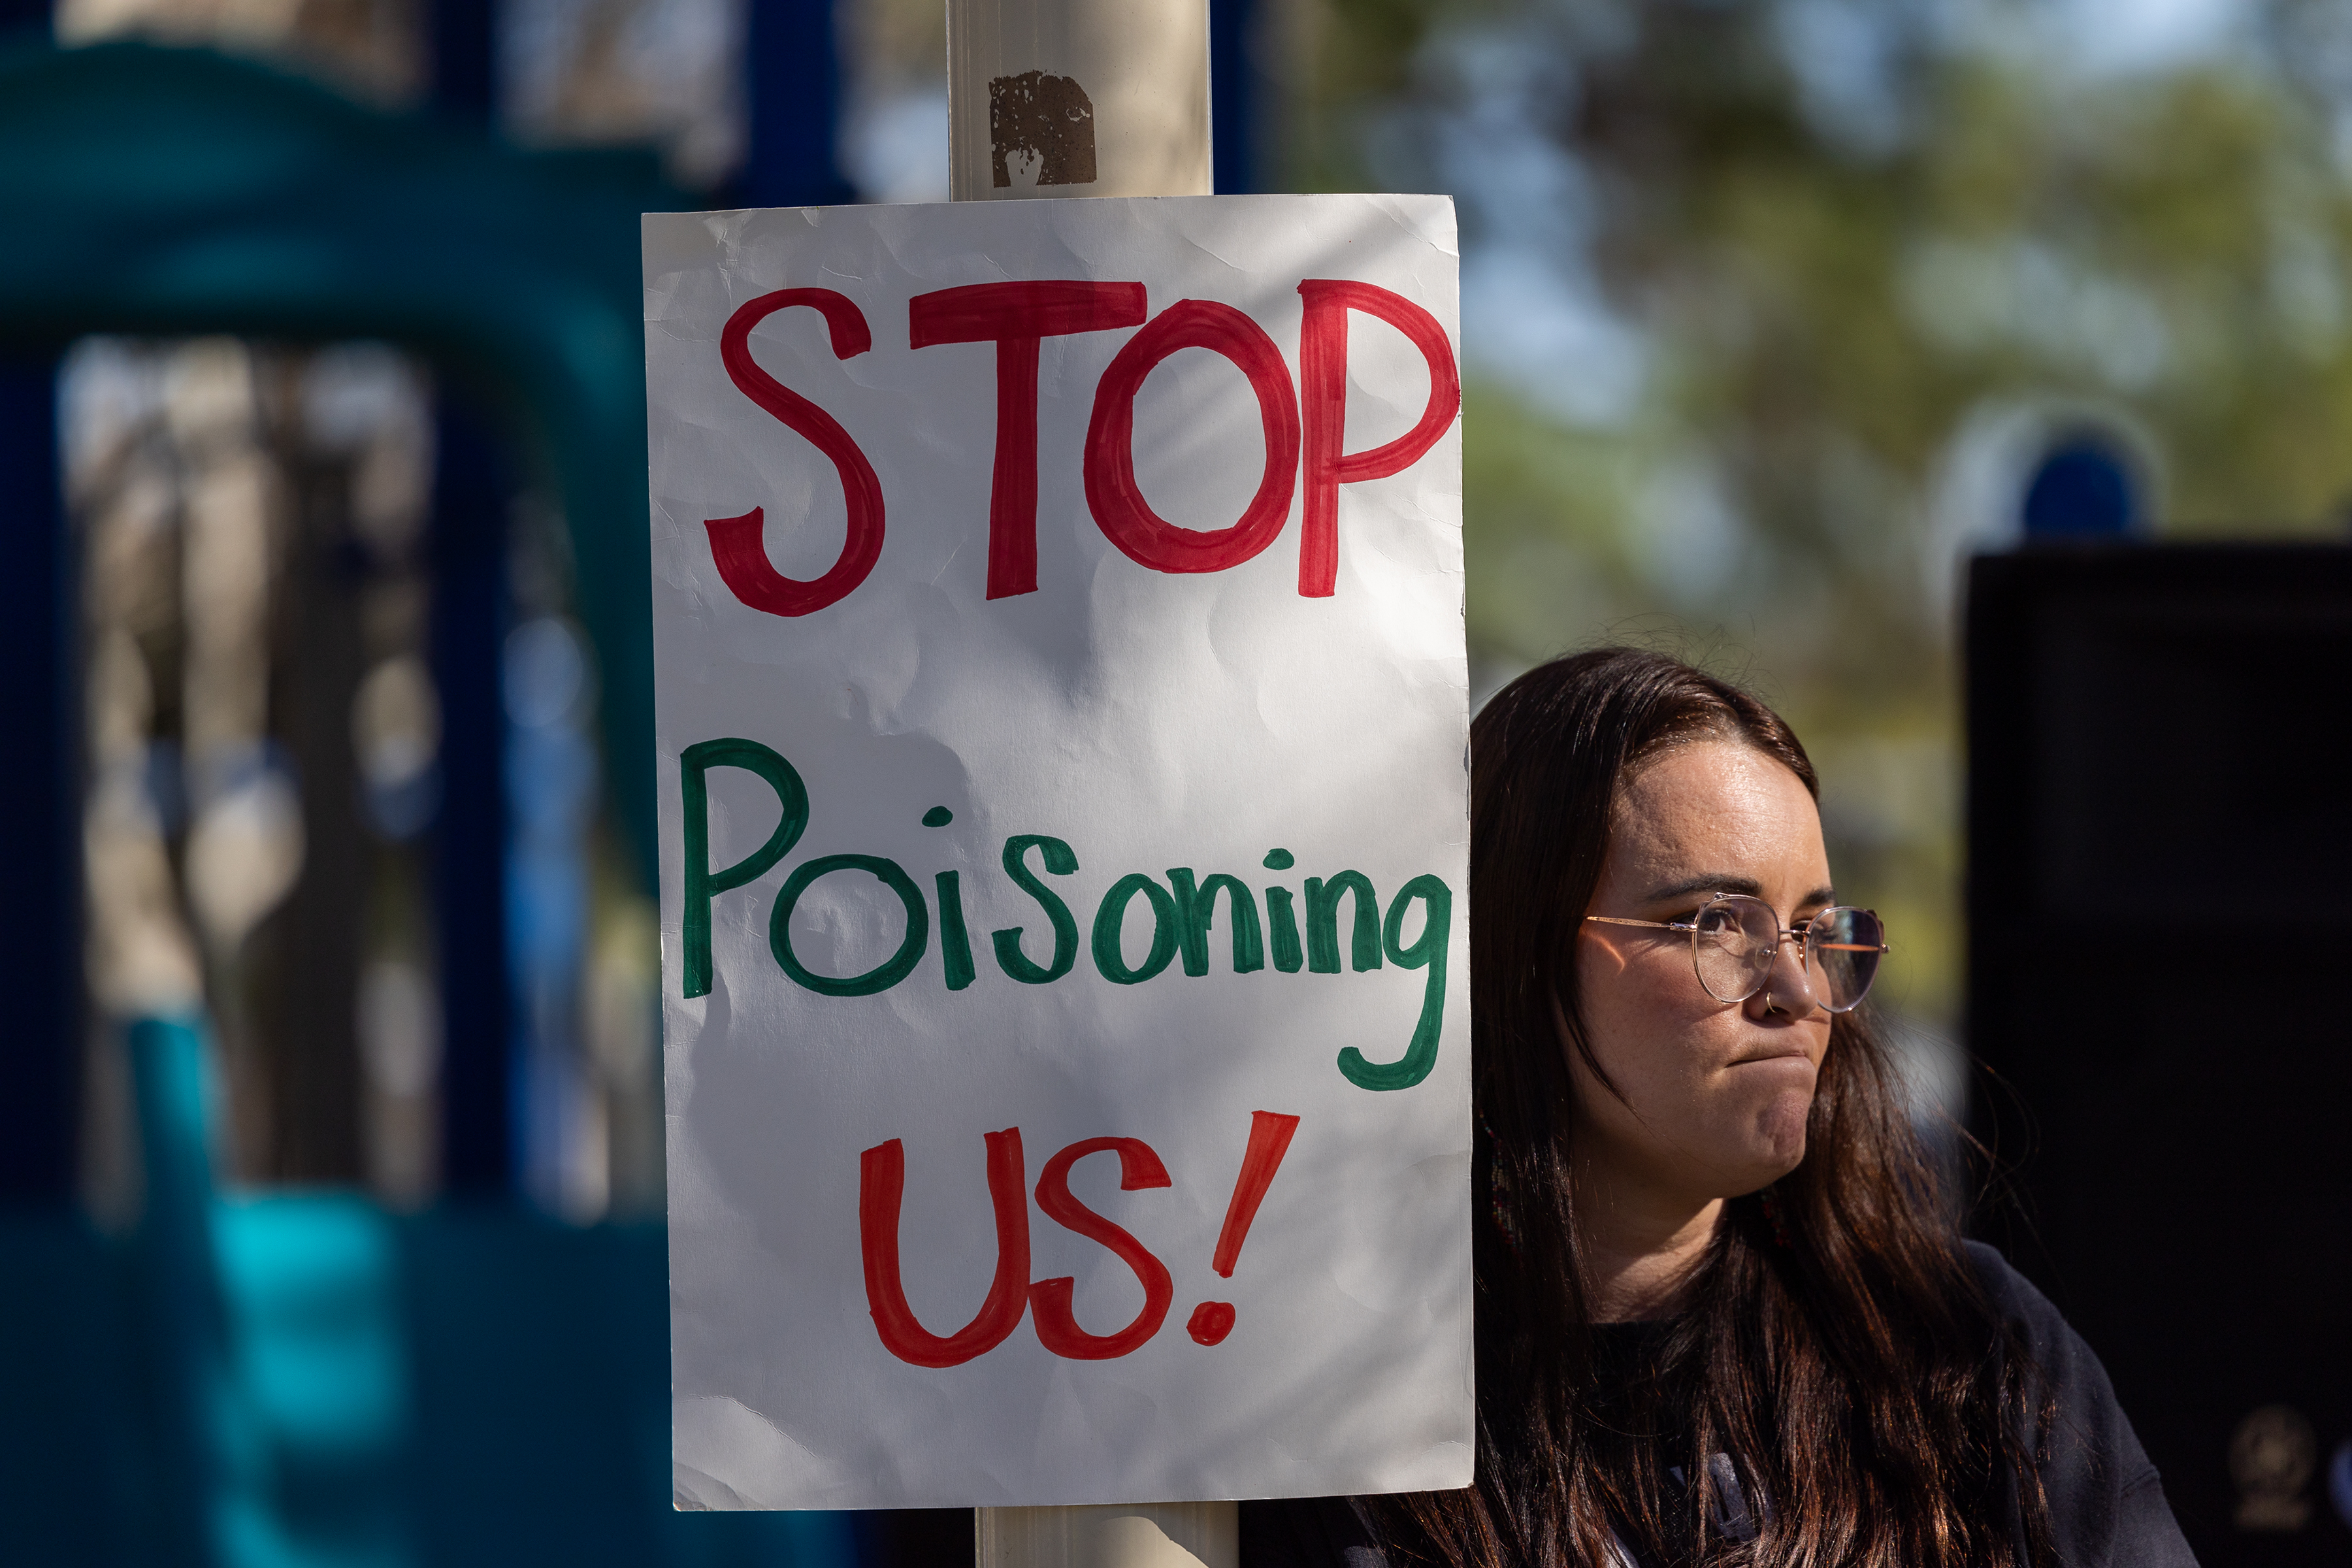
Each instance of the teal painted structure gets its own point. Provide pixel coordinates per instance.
(171, 191)
(299, 1379)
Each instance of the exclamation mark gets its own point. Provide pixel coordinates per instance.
(1269, 1139)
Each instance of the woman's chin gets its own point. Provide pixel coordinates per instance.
(1781, 1135)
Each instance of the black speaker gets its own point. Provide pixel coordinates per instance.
(2159, 990)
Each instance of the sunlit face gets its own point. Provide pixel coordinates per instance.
(1716, 1095)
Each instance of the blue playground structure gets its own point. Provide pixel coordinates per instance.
(299, 1379)
(297, 1376)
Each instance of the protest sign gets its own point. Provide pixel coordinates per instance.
(1062, 745)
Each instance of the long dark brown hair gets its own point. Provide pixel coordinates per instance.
(1835, 1339)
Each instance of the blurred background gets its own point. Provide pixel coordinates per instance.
(330, 1105)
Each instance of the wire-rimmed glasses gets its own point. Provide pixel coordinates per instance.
(1736, 938)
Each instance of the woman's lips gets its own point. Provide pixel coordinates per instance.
(1778, 1054)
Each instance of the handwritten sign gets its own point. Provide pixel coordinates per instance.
(1061, 705)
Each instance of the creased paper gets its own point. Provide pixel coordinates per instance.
(1123, 870)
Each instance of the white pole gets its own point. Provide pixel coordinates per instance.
(1124, 1535)
(1085, 97)
(1078, 98)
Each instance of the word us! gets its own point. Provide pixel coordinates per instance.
(881, 1184)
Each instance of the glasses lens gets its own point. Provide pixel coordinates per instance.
(1733, 946)
(1842, 951)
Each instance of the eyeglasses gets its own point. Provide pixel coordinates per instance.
(1735, 940)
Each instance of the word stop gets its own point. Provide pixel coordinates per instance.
(1303, 428)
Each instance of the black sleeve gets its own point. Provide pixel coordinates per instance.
(2107, 1503)
(1307, 1533)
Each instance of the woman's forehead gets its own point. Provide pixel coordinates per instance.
(1721, 805)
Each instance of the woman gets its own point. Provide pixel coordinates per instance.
(1722, 1316)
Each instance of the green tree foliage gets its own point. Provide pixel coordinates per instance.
(1868, 254)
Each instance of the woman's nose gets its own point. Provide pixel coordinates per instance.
(1788, 988)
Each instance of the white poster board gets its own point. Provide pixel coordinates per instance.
(1058, 616)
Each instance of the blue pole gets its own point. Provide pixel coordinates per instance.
(1235, 90)
(793, 84)
(465, 60)
(193, 1388)
(470, 496)
(40, 919)
(471, 492)
(23, 16)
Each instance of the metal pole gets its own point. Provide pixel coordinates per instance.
(470, 499)
(1085, 97)
(40, 798)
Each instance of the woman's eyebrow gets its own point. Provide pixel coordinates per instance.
(1705, 884)
(1715, 884)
